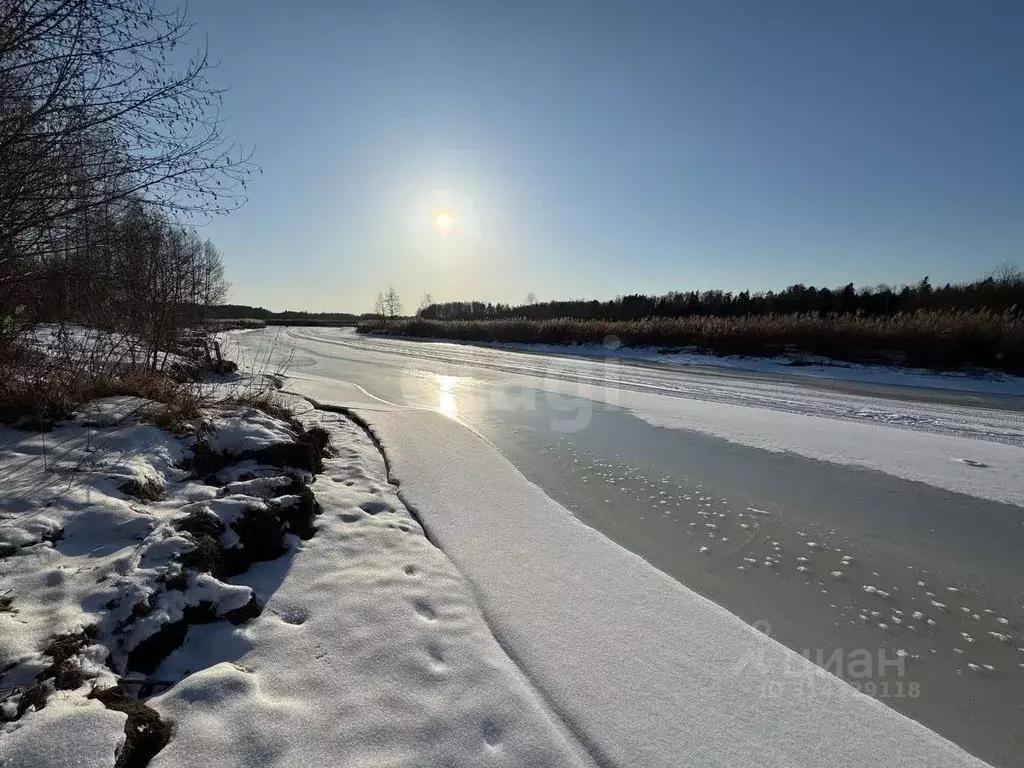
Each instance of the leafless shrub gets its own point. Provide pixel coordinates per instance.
(109, 138)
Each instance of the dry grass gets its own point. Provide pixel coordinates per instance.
(41, 386)
(266, 400)
(928, 338)
(36, 401)
(48, 377)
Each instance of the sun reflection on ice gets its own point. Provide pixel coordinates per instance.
(446, 395)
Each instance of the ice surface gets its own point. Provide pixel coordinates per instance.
(994, 471)
(799, 366)
(668, 360)
(961, 448)
(643, 671)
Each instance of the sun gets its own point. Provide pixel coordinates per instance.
(444, 221)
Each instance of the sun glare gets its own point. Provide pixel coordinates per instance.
(444, 221)
(446, 395)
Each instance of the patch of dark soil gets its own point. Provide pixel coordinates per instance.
(150, 490)
(298, 517)
(7, 603)
(306, 452)
(143, 608)
(53, 535)
(9, 549)
(200, 522)
(69, 676)
(300, 455)
(261, 533)
(205, 557)
(320, 439)
(145, 733)
(177, 583)
(250, 610)
(205, 529)
(147, 655)
(63, 648)
(224, 367)
(35, 696)
(64, 672)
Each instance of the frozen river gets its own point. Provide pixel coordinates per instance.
(875, 528)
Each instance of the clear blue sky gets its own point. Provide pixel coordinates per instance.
(589, 148)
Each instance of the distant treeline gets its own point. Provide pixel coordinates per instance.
(246, 312)
(1001, 292)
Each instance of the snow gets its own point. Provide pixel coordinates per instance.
(112, 411)
(463, 620)
(247, 429)
(78, 550)
(641, 670)
(71, 732)
(371, 650)
(64, 486)
(935, 459)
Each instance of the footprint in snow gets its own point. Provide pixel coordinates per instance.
(436, 656)
(375, 507)
(291, 614)
(425, 609)
(492, 737)
(973, 463)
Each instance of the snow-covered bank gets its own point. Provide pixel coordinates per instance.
(644, 671)
(115, 537)
(132, 556)
(371, 650)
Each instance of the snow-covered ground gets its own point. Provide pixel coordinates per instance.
(98, 562)
(371, 650)
(369, 647)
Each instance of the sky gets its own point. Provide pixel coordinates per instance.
(588, 149)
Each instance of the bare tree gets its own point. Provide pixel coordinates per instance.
(1008, 273)
(531, 298)
(94, 115)
(392, 303)
(380, 307)
(425, 302)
